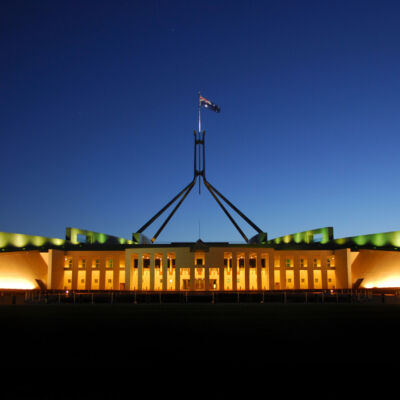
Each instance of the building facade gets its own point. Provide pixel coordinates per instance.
(101, 262)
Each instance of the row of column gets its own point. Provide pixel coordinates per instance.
(176, 275)
(89, 271)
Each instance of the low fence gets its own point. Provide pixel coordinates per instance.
(373, 296)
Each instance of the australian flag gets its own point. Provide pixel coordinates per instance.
(208, 104)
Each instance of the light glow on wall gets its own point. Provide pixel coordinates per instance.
(389, 282)
(15, 283)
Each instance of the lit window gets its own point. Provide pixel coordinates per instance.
(330, 261)
(317, 262)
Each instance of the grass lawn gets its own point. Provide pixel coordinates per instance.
(146, 334)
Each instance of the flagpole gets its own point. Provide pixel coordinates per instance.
(199, 115)
(199, 137)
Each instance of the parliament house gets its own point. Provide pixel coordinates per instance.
(91, 261)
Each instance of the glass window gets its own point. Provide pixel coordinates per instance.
(317, 262)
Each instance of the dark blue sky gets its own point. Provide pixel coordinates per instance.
(99, 102)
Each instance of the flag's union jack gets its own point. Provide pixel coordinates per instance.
(208, 104)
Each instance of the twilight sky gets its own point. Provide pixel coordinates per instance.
(99, 102)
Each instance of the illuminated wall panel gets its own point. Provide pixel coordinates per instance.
(214, 278)
(95, 280)
(289, 279)
(109, 283)
(303, 279)
(146, 279)
(199, 278)
(228, 278)
(277, 279)
(265, 278)
(158, 279)
(317, 279)
(122, 279)
(253, 279)
(241, 283)
(331, 278)
(81, 280)
(67, 280)
(184, 278)
(134, 279)
(171, 278)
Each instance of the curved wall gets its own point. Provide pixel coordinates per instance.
(18, 270)
(378, 268)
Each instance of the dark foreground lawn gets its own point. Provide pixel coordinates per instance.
(147, 334)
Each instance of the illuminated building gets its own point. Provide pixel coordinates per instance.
(87, 260)
(311, 259)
